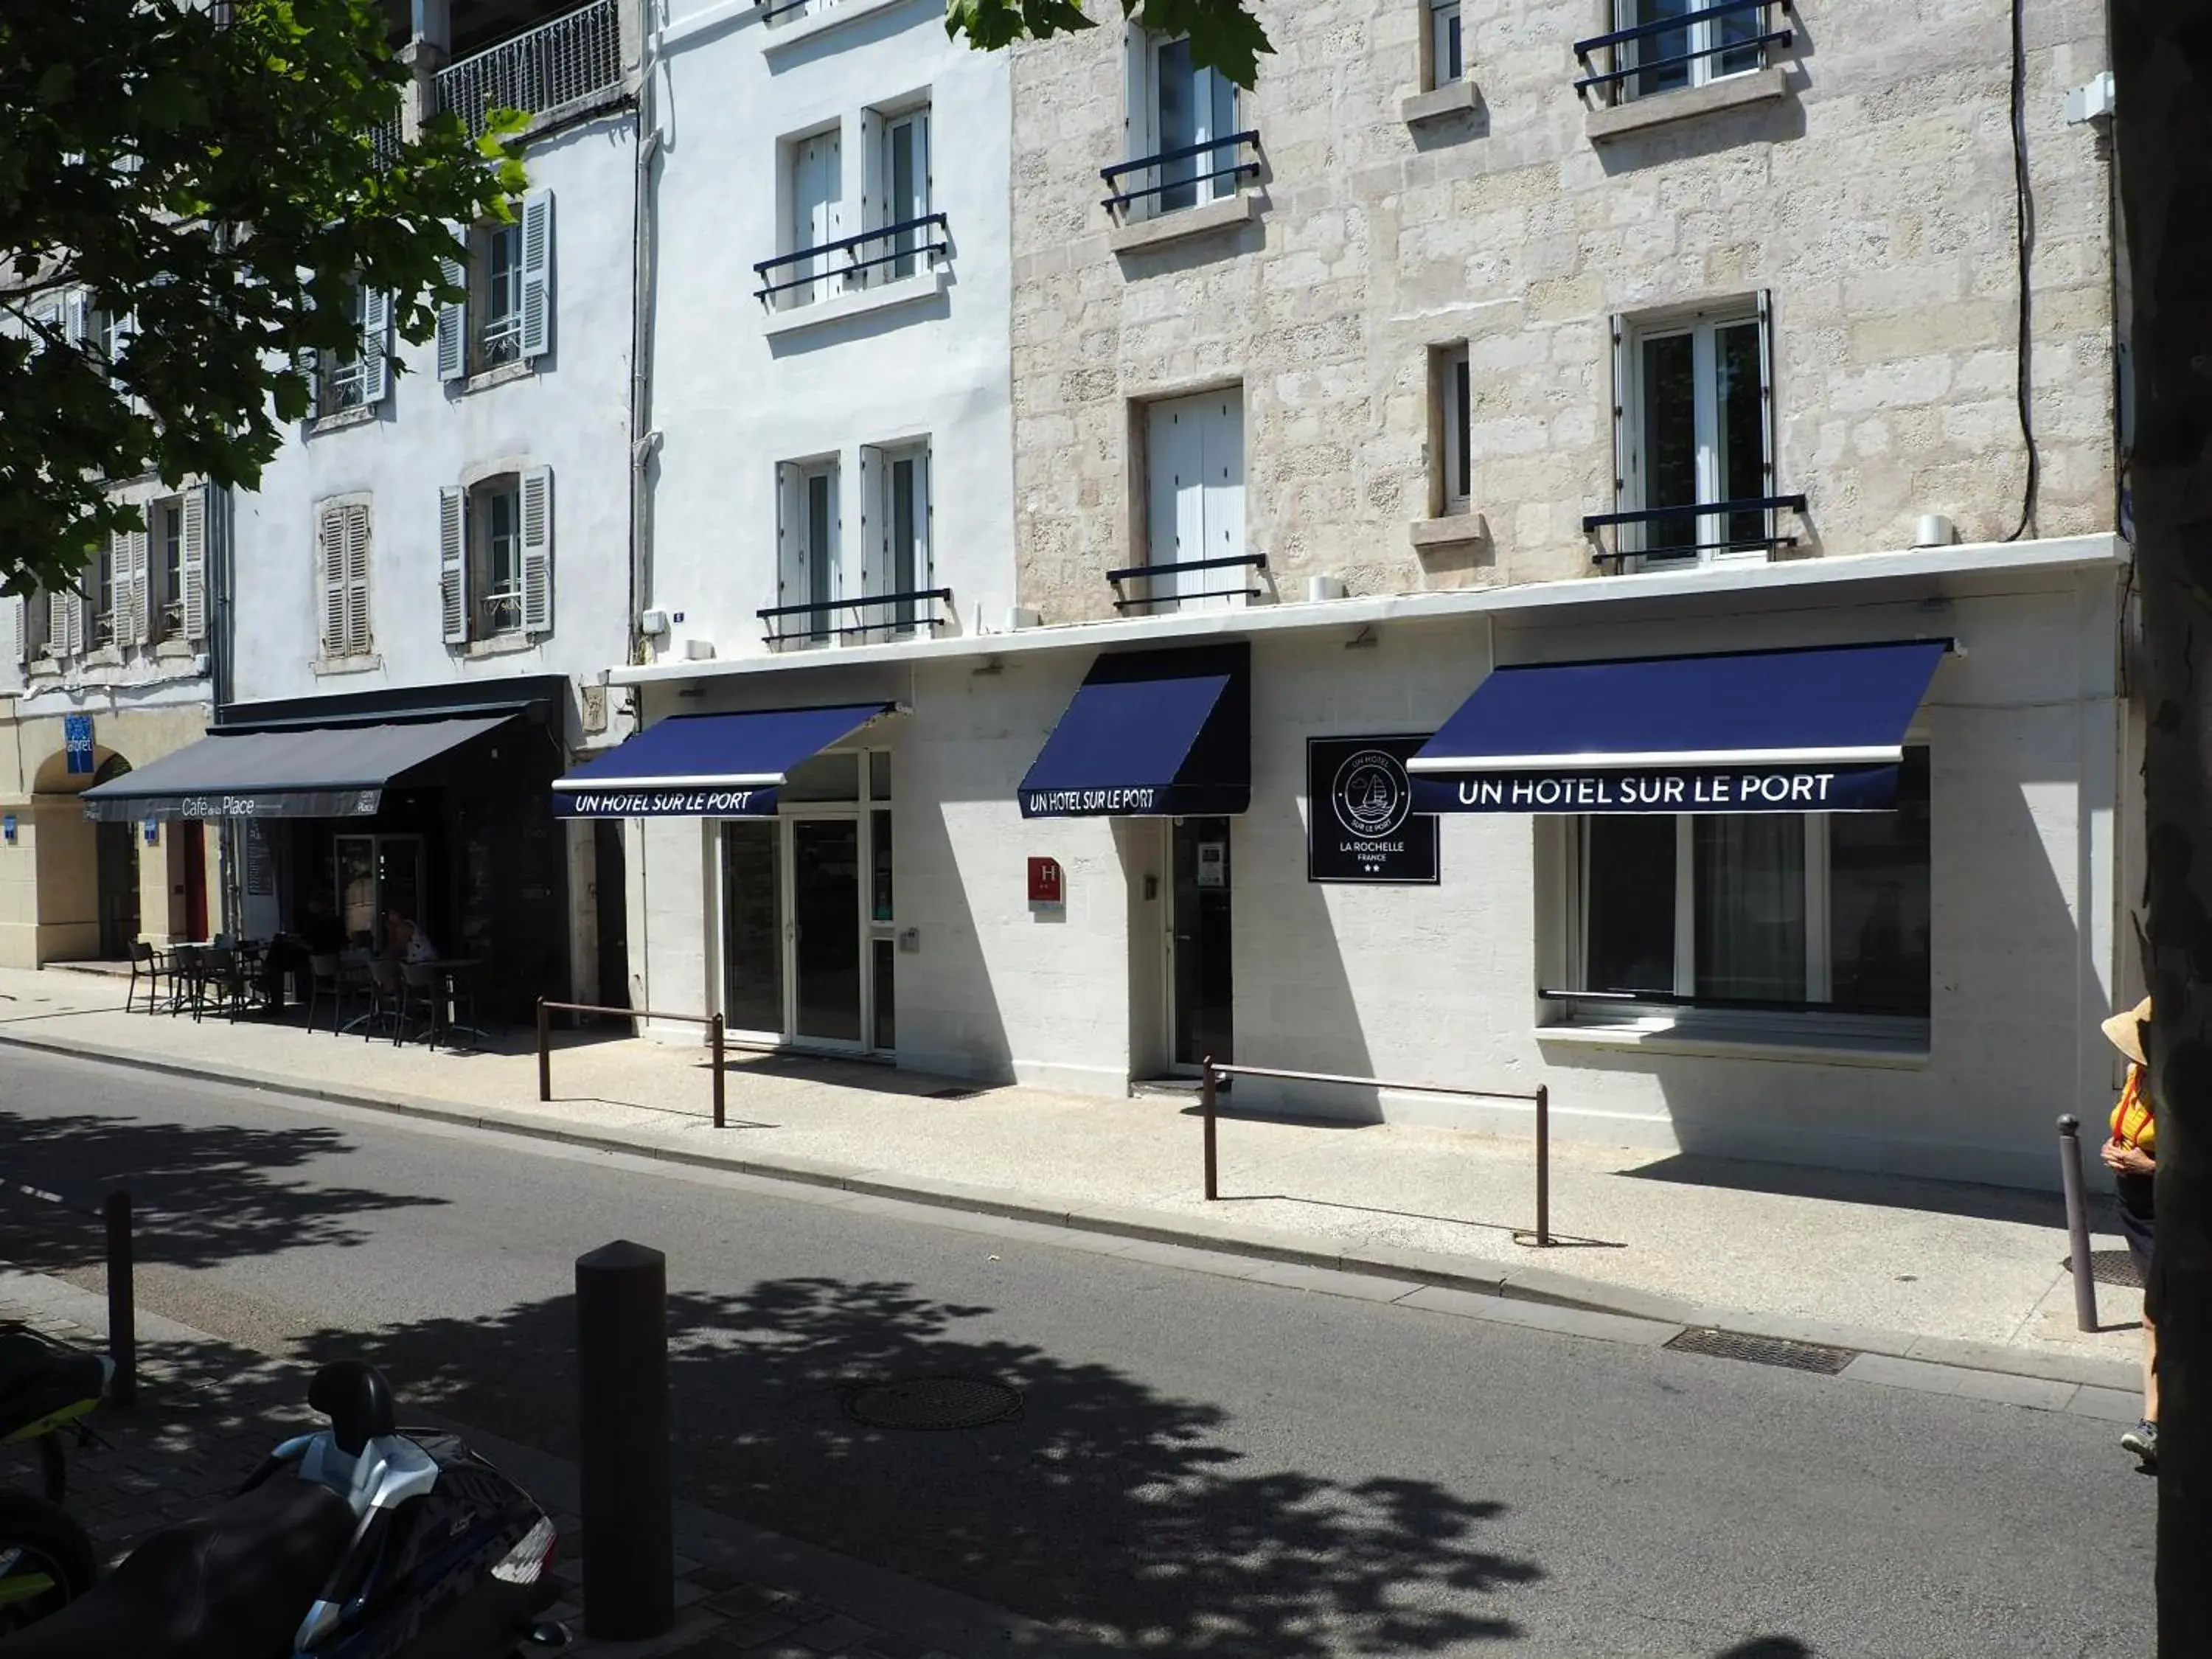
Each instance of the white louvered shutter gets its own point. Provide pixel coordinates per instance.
(787, 542)
(454, 564)
(140, 614)
(79, 317)
(330, 578)
(58, 620)
(74, 606)
(454, 319)
(537, 274)
(537, 551)
(19, 619)
(193, 509)
(376, 345)
(875, 533)
(355, 583)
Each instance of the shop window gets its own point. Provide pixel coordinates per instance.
(1454, 482)
(1708, 43)
(507, 315)
(1447, 60)
(1693, 430)
(1778, 911)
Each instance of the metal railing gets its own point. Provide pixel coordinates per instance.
(558, 62)
(1234, 561)
(385, 142)
(547, 1010)
(924, 255)
(773, 615)
(1615, 71)
(1235, 170)
(1767, 506)
(114, 1212)
(1209, 1106)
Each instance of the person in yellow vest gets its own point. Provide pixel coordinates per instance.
(2131, 1154)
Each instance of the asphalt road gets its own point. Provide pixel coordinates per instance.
(1202, 1465)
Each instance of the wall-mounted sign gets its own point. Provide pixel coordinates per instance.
(153, 832)
(8, 829)
(1853, 788)
(1213, 864)
(1048, 886)
(76, 743)
(1361, 824)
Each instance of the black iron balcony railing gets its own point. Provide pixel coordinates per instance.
(1167, 159)
(1618, 70)
(905, 239)
(798, 624)
(1154, 572)
(1765, 538)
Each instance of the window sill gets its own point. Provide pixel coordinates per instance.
(1440, 103)
(501, 375)
(1452, 530)
(1208, 217)
(359, 415)
(504, 645)
(105, 656)
(1833, 1040)
(860, 303)
(775, 36)
(325, 666)
(1638, 114)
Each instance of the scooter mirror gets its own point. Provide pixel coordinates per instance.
(354, 1396)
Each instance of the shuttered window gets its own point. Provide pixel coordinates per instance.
(342, 568)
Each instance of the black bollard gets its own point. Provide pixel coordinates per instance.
(122, 1301)
(2077, 1223)
(622, 1403)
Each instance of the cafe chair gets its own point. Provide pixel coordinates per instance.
(326, 980)
(146, 967)
(386, 995)
(421, 984)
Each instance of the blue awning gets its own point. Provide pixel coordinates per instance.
(692, 766)
(1818, 730)
(1151, 734)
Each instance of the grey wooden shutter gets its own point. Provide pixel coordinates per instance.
(140, 616)
(454, 319)
(330, 578)
(355, 580)
(537, 274)
(537, 551)
(376, 345)
(454, 564)
(193, 509)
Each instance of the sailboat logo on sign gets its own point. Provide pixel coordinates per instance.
(1370, 793)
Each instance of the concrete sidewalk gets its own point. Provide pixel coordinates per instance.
(1959, 1275)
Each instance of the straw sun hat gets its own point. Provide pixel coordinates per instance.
(2126, 1031)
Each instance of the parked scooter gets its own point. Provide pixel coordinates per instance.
(46, 1557)
(357, 1542)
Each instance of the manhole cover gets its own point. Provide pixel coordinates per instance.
(2110, 1267)
(1764, 1351)
(933, 1402)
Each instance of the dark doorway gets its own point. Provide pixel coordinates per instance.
(825, 877)
(1205, 994)
(611, 894)
(118, 889)
(193, 836)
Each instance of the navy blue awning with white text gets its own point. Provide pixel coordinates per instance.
(1816, 730)
(707, 765)
(1164, 733)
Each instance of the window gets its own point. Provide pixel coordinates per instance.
(1778, 910)
(807, 573)
(1194, 516)
(341, 566)
(359, 377)
(1693, 415)
(1446, 62)
(495, 558)
(1181, 119)
(901, 561)
(815, 189)
(507, 317)
(902, 194)
(111, 587)
(1456, 457)
(167, 520)
(1702, 48)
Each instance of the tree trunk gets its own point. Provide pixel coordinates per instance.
(2162, 61)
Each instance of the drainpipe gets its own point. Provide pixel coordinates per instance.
(645, 441)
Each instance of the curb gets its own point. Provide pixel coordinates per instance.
(1424, 1267)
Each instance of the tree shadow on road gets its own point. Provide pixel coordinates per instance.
(1105, 1506)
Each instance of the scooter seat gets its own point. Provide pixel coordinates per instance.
(231, 1585)
(36, 1379)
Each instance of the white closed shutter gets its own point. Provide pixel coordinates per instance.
(73, 621)
(193, 511)
(454, 564)
(875, 531)
(19, 616)
(376, 345)
(537, 274)
(453, 335)
(330, 579)
(137, 622)
(355, 580)
(537, 551)
(79, 317)
(790, 574)
(58, 620)
(1224, 438)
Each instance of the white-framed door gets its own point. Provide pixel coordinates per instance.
(800, 933)
(1199, 981)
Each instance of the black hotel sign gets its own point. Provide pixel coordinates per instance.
(1360, 823)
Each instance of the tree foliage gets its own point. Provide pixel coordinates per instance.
(220, 174)
(1224, 34)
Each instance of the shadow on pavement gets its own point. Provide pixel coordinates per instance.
(1889, 1191)
(1104, 1505)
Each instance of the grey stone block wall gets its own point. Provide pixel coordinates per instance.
(1875, 199)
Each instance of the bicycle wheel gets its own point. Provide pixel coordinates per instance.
(46, 1559)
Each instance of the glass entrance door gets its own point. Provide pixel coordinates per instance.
(375, 875)
(752, 927)
(825, 914)
(1201, 991)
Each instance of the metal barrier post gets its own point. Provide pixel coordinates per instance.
(715, 1032)
(1543, 1165)
(623, 1461)
(544, 1051)
(1207, 1090)
(122, 1301)
(2077, 1224)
